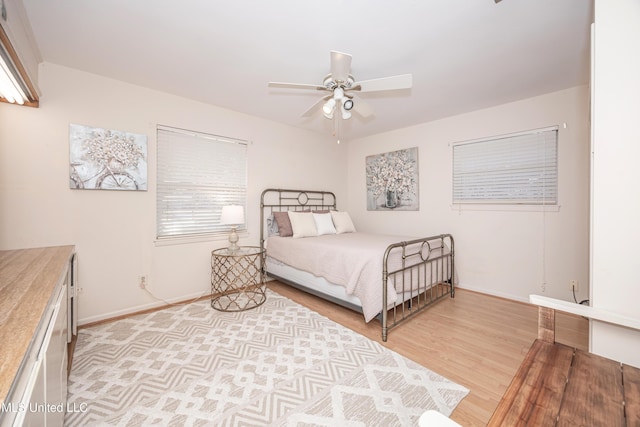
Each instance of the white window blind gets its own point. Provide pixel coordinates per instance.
(515, 169)
(197, 174)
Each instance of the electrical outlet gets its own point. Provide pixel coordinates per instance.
(543, 287)
(142, 282)
(573, 285)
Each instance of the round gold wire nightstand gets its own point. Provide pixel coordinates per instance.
(237, 282)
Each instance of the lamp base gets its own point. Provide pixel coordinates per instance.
(233, 241)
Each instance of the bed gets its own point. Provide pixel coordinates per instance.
(311, 245)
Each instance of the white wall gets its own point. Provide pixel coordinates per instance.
(616, 175)
(114, 231)
(508, 253)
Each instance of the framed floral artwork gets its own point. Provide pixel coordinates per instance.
(392, 180)
(102, 159)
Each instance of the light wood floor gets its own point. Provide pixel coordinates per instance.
(473, 339)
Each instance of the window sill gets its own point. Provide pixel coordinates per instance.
(202, 238)
(460, 207)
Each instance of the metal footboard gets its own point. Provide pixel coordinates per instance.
(425, 275)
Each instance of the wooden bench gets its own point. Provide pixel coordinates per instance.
(563, 386)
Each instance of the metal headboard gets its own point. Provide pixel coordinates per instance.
(283, 200)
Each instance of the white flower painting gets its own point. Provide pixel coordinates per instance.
(392, 180)
(102, 159)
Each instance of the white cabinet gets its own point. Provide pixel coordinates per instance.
(56, 363)
(38, 393)
(33, 417)
(44, 400)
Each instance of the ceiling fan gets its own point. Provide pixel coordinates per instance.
(342, 87)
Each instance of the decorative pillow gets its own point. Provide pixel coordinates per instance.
(303, 224)
(342, 222)
(324, 223)
(272, 226)
(284, 224)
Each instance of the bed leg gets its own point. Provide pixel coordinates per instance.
(384, 334)
(451, 284)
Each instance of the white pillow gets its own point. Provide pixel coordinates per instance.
(302, 224)
(342, 222)
(324, 223)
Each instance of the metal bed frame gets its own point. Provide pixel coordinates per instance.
(424, 261)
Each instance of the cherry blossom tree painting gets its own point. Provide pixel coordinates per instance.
(101, 159)
(392, 180)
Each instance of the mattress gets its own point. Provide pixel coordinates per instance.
(313, 283)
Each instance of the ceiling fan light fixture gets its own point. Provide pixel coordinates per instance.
(338, 93)
(347, 104)
(328, 108)
(346, 114)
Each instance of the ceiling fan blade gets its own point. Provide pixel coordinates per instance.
(295, 86)
(315, 105)
(340, 66)
(362, 108)
(404, 81)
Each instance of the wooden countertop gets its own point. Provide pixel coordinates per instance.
(28, 278)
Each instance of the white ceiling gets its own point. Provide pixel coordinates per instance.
(464, 54)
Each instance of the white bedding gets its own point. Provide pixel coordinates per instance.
(352, 260)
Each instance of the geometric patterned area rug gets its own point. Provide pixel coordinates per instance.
(280, 364)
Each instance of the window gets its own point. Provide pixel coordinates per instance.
(513, 169)
(197, 174)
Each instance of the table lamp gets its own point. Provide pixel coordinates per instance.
(232, 215)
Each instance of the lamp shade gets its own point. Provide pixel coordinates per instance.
(232, 215)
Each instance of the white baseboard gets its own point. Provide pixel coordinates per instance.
(493, 293)
(139, 308)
